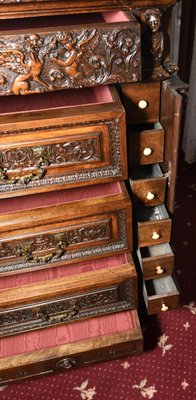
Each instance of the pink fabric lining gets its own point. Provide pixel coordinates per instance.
(29, 278)
(56, 336)
(59, 99)
(63, 21)
(58, 197)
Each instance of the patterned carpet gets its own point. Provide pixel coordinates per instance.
(166, 369)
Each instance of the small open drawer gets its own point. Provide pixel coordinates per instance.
(39, 231)
(71, 51)
(156, 261)
(60, 295)
(61, 140)
(145, 144)
(160, 295)
(148, 185)
(70, 346)
(153, 224)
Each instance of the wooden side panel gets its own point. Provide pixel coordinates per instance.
(171, 113)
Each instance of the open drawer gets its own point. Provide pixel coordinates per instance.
(72, 51)
(153, 225)
(160, 295)
(70, 346)
(145, 144)
(70, 225)
(148, 185)
(41, 299)
(60, 141)
(156, 261)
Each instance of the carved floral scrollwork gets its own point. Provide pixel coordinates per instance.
(42, 156)
(59, 60)
(59, 242)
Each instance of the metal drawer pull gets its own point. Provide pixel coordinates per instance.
(26, 251)
(66, 363)
(25, 179)
(155, 236)
(159, 270)
(150, 196)
(147, 151)
(72, 309)
(142, 104)
(164, 308)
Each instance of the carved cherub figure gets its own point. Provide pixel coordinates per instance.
(72, 52)
(156, 46)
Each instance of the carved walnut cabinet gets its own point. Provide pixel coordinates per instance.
(89, 131)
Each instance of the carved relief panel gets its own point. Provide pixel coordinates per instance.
(62, 59)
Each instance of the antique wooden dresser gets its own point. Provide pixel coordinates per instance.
(89, 132)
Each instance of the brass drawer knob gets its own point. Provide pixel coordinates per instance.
(164, 308)
(159, 270)
(142, 104)
(150, 196)
(147, 151)
(155, 236)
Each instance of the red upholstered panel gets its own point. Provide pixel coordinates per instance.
(59, 99)
(83, 330)
(28, 278)
(62, 21)
(58, 197)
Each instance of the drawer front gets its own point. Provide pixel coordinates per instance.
(167, 299)
(65, 242)
(64, 156)
(114, 298)
(148, 192)
(156, 261)
(103, 339)
(155, 267)
(154, 232)
(145, 147)
(49, 59)
(141, 102)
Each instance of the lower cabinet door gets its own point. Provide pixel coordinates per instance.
(41, 231)
(81, 291)
(70, 346)
(160, 295)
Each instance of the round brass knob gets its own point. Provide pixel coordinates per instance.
(150, 196)
(159, 270)
(147, 151)
(164, 308)
(155, 236)
(142, 104)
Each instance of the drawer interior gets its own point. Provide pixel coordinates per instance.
(146, 172)
(63, 21)
(157, 213)
(67, 334)
(28, 278)
(157, 250)
(161, 286)
(59, 197)
(145, 127)
(59, 99)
